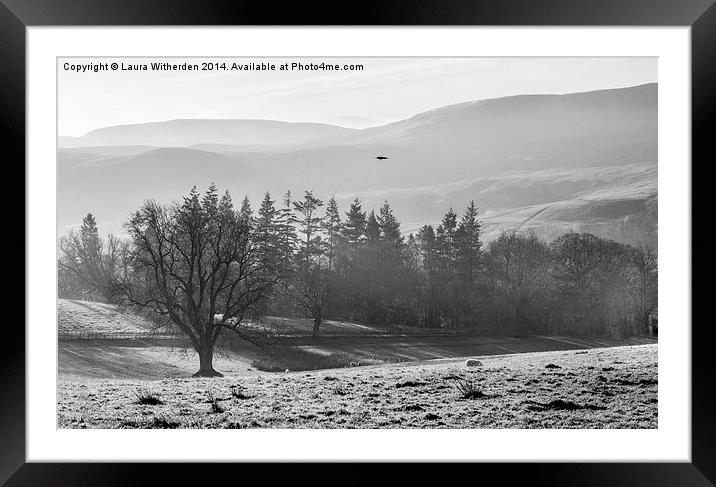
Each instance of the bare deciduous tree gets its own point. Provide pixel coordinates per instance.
(86, 257)
(517, 265)
(310, 292)
(196, 263)
(310, 286)
(644, 262)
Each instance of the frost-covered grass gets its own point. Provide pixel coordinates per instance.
(75, 316)
(133, 359)
(149, 359)
(304, 326)
(597, 388)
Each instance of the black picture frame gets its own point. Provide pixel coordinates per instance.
(17, 15)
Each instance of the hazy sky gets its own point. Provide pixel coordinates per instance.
(386, 90)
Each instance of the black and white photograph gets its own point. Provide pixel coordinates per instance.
(357, 243)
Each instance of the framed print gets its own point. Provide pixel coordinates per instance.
(409, 235)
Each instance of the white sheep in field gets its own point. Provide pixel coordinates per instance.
(355, 364)
(471, 362)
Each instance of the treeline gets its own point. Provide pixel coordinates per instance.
(307, 257)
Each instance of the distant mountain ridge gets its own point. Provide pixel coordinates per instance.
(638, 102)
(241, 132)
(509, 154)
(187, 132)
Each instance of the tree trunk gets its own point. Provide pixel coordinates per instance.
(316, 324)
(206, 358)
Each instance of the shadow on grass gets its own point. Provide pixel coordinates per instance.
(282, 357)
(278, 358)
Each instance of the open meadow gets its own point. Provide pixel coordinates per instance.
(596, 388)
(396, 381)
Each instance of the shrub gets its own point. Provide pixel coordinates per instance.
(469, 390)
(237, 392)
(163, 423)
(216, 407)
(146, 397)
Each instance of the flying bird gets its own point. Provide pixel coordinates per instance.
(380, 158)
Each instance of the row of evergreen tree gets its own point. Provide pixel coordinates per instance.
(321, 262)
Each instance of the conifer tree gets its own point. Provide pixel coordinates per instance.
(90, 237)
(372, 228)
(287, 241)
(469, 244)
(267, 235)
(332, 228)
(446, 244)
(267, 231)
(210, 200)
(245, 213)
(389, 226)
(309, 225)
(354, 226)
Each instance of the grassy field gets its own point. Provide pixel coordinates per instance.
(75, 316)
(152, 360)
(597, 388)
(403, 382)
(129, 359)
(158, 358)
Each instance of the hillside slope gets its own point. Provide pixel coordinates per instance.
(75, 317)
(508, 154)
(88, 317)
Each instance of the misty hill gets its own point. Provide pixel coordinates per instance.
(182, 133)
(513, 155)
(575, 114)
(614, 202)
(107, 151)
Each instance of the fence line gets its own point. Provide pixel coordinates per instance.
(115, 336)
(328, 334)
(230, 339)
